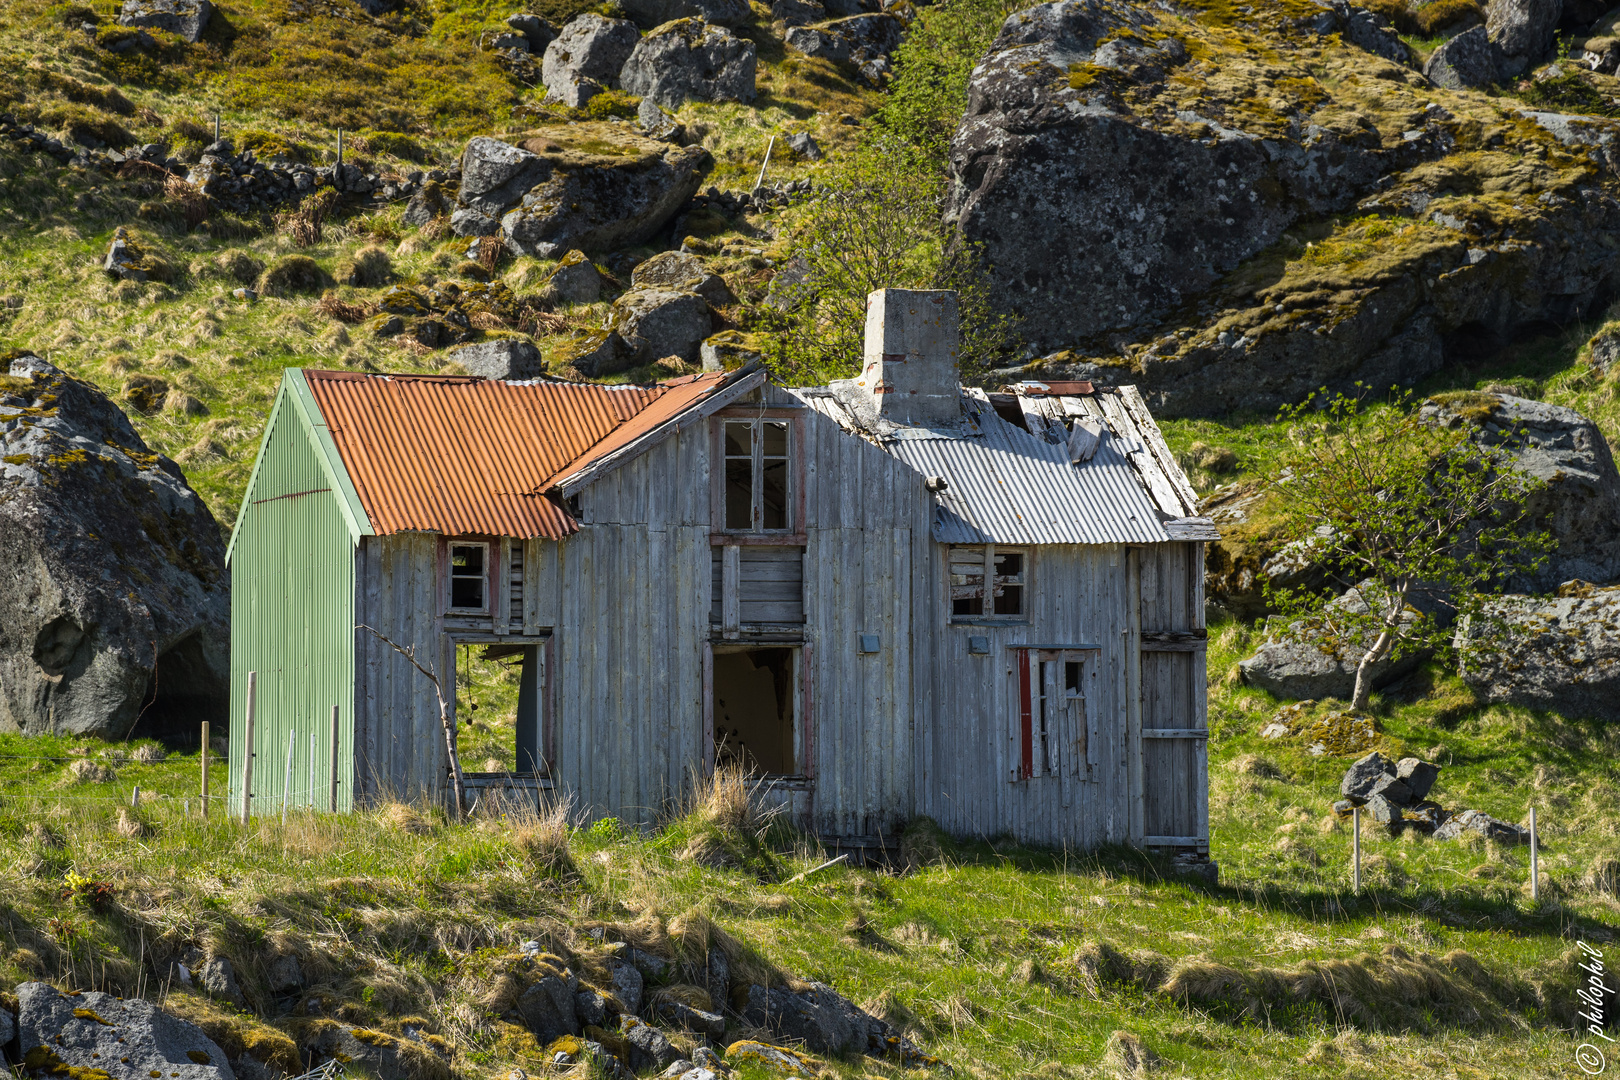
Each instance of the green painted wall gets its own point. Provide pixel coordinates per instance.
(292, 563)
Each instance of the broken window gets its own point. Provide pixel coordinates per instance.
(1056, 731)
(756, 477)
(755, 710)
(1008, 581)
(469, 577)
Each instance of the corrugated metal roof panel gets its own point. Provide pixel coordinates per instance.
(465, 456)
(1009, 486)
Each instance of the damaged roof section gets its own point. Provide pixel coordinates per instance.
(1012, 482)
(466, 456)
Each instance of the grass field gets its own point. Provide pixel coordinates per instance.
(1002, 960)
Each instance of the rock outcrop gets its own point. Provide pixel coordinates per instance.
(1580, 504)
(1470, 59)
(678, 270)
(187, 18)
(1292, 664)
(866, 40)
(95, 1034)
(501, 358)
(1159, 207)
(690, 60)
(658, 12)
(575, 281)
(586, 57)
(544, 197)
(115, 613)
(662, 322)
(1553, 652)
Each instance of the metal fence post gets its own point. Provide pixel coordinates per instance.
(204, 792)
(247, 758)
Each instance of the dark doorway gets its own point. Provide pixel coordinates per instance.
(755, 710)
(184, 692)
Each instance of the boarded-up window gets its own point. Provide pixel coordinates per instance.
(1055, 734)
(769, 586)
(515, 583)
(1009, 580)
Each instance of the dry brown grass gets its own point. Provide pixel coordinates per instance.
(725, 802)
(1127, 1055)
(343, 311)
(404, 818)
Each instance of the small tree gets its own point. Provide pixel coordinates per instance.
(1409, 505)
(447, 719)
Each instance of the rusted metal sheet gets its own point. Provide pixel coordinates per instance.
(466, 456)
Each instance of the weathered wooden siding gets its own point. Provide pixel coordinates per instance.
(1174, 695)
(398, 738)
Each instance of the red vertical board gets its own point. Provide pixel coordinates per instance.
(1026, 734)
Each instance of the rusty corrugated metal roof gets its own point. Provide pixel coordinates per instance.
(466, 456)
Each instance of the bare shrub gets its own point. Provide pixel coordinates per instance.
(304, 222)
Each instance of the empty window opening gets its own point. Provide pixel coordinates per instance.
(469, 576)
(757, 483)
(1056, 732)
(498, 689)
(1008, 582)
(755, 710)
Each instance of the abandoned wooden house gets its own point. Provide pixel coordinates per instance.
(887, 597)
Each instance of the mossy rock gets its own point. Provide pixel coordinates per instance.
(294, 275)
(368, 268)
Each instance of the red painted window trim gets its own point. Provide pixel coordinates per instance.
(1026, 726)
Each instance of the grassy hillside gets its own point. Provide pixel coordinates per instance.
(1003, 961)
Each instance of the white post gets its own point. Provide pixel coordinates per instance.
(135, 797)
(247, 759)
(310, 794)
(332, 765)
(286, 781)
(204, 763)
(763, 166)
(1355, 818)
(1535, 875)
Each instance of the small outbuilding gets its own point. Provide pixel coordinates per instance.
(887, 597)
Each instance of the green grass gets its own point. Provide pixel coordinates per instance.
(985, 951)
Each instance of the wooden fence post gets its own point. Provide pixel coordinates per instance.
(1355, 818)
(247, 759)
(331, 797)
(1535, 874)
(205, 769)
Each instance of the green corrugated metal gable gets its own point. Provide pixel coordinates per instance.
(292, 610)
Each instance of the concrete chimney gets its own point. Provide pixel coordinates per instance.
(909, 371)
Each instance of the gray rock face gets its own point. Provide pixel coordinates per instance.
(658, 12)
(687, 1018)
(690, 59)
(503, 358)
(858, 38)
(586, 57)
(495, 176)
(1292, 667)
(429, 201)
(1418, 776)
(284, 974)
(1580, 505)
(605, 208)
(8, 1032)
(656, 123)
(538, 32)
(218, 977)
(826, 1021)
(1523, 28)
(1605, 351)
(649, 1048)
(1360, 778)
(680, 271)
(1481, 824)
(798, 12)
(1094, 218)
(628, 984)
(590, 1008)
(804, 144)
(597, 355)
(188, 18)
(129, 1040)
(1554, 652)
(113, 561)
(575, 281)
(1384, 810)
(547, 1008)
(662, 322)
(1471, 59)
(1368, 30)
(717, 979)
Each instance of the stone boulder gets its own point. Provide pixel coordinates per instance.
(586, 57)
(797, 12)
(547, 1007)
(690, 59)
(1580, 505)
(1361, 777)
(1372, 32)
(655, 123)
(1547, 652)
(679, 270)
(115, 611)
(1604, 350)
(662, 322)
(597, 355)
(612, 204)
(428, 202)
(537, 32)
(1523, 29)
(824, 1021)
(187, 18)
(97, 1034)
(858, 39)
(502, 358)
(659, 12)
(1291, 666)
(1481, 824)
(576, 280)
(495, 175)
(1468, 60)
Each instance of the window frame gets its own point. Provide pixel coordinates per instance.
(450, 577)
(990, 617)
(1069, 748)
(793, 504)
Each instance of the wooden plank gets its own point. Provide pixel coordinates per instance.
(1174, 733)
(730, 615)
(1149, 430)
(1174, 646)
(1172, 841)
(1136, 764)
